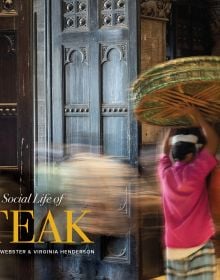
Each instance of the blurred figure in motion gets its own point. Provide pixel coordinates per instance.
(188, 224)
(96, 183)
(101, 185)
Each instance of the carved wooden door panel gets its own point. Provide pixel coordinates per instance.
(15, 119)
(15, 97)
(93, 50)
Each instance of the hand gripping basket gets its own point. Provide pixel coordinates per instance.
(163, 91)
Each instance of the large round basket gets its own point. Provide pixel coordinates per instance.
(163, 91)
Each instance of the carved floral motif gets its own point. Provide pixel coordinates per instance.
(116, 249)
(9, 109)
(75, 15)
(156, 8)
(10, 38)
(69, 51)
(214, 8)
(113, 13)
(7, 7)
(122, 49)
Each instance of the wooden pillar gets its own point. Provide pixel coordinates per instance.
(154, 17)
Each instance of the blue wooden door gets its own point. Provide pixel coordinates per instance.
(86, 51)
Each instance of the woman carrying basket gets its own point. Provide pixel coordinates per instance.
(188, 224)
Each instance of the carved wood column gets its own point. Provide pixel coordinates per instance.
(214, 10)
(154, 17)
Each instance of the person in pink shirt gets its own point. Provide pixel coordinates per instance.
(183, 171)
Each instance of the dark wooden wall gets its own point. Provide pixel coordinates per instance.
(16, 116)
(16, 90)
(16, 110)
(189, 29)
(214, 23)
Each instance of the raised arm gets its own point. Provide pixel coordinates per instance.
(166, 142)
(209, 132)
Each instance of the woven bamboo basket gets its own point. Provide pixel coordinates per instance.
(163, 91)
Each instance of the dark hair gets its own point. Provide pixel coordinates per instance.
(181, 149)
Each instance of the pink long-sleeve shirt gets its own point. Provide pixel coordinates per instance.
(188, 221)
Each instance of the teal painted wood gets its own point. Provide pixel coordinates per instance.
(90, 59)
